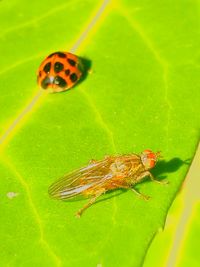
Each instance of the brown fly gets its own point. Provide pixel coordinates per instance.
(101, 176)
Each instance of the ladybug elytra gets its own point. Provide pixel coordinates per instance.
(59, 72)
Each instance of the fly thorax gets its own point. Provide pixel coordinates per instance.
(118, 167)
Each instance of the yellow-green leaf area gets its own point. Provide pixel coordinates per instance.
(142, 92)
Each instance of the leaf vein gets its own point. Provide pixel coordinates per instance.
(100, 119)
(35, 212)
(30, 106)
(162, 62)
(35, 20)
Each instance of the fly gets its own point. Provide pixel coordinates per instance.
(113, 172)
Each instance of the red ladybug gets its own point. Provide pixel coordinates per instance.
(59, 72)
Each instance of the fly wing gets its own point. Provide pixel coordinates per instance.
(74, 183)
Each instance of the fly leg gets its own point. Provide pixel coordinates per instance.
(92, 201)
(147, 173)
(145, 197)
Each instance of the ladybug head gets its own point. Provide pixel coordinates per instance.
(149, 158)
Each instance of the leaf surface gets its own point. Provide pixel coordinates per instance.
(142, 92)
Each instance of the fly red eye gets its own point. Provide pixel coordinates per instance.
(152, 161)
(149, 158)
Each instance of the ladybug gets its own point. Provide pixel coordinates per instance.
(59, 72)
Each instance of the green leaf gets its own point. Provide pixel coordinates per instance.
(142, 92)
(178, 244)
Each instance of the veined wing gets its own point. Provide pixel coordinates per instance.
(74, 183)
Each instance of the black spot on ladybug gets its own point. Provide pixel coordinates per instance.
(71, 62)
(62, 55)
(73, 77)
(58, 67)
(40, 73)
(52, 55)
(60, 82)
(45, 82)
(67, 72)
(59, 54)
(47, 67)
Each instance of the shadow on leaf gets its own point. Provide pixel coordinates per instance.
(85, 67)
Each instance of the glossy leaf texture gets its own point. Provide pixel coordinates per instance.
(142, 92)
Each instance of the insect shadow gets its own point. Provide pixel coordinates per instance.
(162, 167)
(86, 67)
